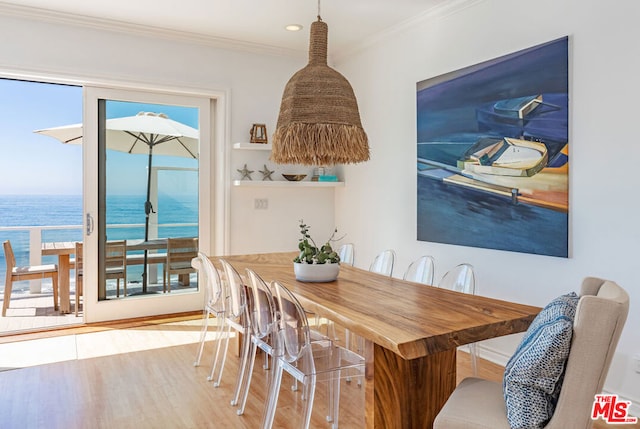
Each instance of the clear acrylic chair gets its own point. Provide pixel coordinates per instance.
(235, 318)
(462, 279)
(307, 361)
(345, 252)
(261, 310)
(420, 270)
(214, 304)
(383, 263)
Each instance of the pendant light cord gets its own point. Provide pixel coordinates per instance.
(319, 18)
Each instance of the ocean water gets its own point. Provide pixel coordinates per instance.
(26, 211)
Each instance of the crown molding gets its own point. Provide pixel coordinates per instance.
(83, 21)
(44, 15)
(450, 7)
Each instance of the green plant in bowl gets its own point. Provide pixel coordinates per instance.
(311, 253)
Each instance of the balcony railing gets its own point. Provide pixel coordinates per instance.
(26, 241)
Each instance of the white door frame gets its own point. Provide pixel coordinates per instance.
(213, 197)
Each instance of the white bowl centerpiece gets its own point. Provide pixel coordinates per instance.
(315, 264)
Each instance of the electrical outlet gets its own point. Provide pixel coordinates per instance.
(636, 362)
(261, 204)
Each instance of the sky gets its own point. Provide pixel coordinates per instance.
(33, 164)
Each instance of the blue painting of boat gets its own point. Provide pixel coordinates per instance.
(493, 153)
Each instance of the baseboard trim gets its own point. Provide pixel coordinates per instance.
(493, 355)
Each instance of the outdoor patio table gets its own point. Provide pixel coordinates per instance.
(411, 332)
(153, 244)
(63, 250)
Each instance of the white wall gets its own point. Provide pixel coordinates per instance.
(254, 82)
(377, 208)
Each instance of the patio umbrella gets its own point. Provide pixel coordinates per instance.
(145, 133)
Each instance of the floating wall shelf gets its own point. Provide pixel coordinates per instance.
(276, 183)
(252, 146)
(286, 183)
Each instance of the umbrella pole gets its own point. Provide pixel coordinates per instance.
(148, 208)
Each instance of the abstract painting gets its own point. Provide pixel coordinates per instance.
(493, 153)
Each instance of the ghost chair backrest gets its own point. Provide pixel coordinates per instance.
(460, 278)
(383, 263)
(420, 270)
(346, 254)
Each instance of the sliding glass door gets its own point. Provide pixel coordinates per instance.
(147, 175)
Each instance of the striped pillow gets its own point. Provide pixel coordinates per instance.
(533, 375)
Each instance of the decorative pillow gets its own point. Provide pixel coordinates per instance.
(533, 375)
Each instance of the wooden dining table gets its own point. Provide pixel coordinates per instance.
(411, 332)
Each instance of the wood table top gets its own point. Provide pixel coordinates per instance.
(152, 244)
(58, 248)
(410, 319)
(68, 247)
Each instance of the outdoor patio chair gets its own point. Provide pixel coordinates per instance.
(79, 274)
(180, 252)
(116, 263)
(34, 272)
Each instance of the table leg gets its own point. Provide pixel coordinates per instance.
(404, 393)
(63, 283)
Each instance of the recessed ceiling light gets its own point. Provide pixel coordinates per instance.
(293, 27)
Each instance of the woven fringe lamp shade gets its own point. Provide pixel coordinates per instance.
(319, 122)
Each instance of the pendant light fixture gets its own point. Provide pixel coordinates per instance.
(319, 122)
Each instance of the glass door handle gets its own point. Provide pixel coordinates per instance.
(89, 224)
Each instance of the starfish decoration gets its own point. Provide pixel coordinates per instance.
(246, 173)
(266, 173)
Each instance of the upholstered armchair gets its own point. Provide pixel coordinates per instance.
(600, 315)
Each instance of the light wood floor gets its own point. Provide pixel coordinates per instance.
(140, 375)
(34, 312)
